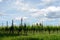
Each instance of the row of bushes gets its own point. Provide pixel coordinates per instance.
(26, 28)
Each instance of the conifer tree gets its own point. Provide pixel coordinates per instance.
(6, 29)
(20, 27)
(12, 28)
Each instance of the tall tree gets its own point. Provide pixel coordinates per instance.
(6, 28)
(12, 28)
(25, 29)
(20, 26)
(21, 21)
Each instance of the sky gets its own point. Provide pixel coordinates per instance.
(32, 11)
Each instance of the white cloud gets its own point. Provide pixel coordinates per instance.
(44, 12)
(53, 8)
(27, 6)
(1, 0)
(24, 6)
(19, 18)
(45, 19)
(47, 0)
(2, 14)
(46, 3)
(47, 14)
(38, 13)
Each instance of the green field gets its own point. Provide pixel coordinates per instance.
(32, 36)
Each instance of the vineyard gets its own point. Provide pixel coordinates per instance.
(29, 32)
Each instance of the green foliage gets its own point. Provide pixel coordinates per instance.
(34, 32)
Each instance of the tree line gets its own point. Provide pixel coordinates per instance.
(27, 28)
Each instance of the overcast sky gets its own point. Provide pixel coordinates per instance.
(32, 11)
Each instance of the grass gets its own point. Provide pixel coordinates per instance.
(35, 36)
